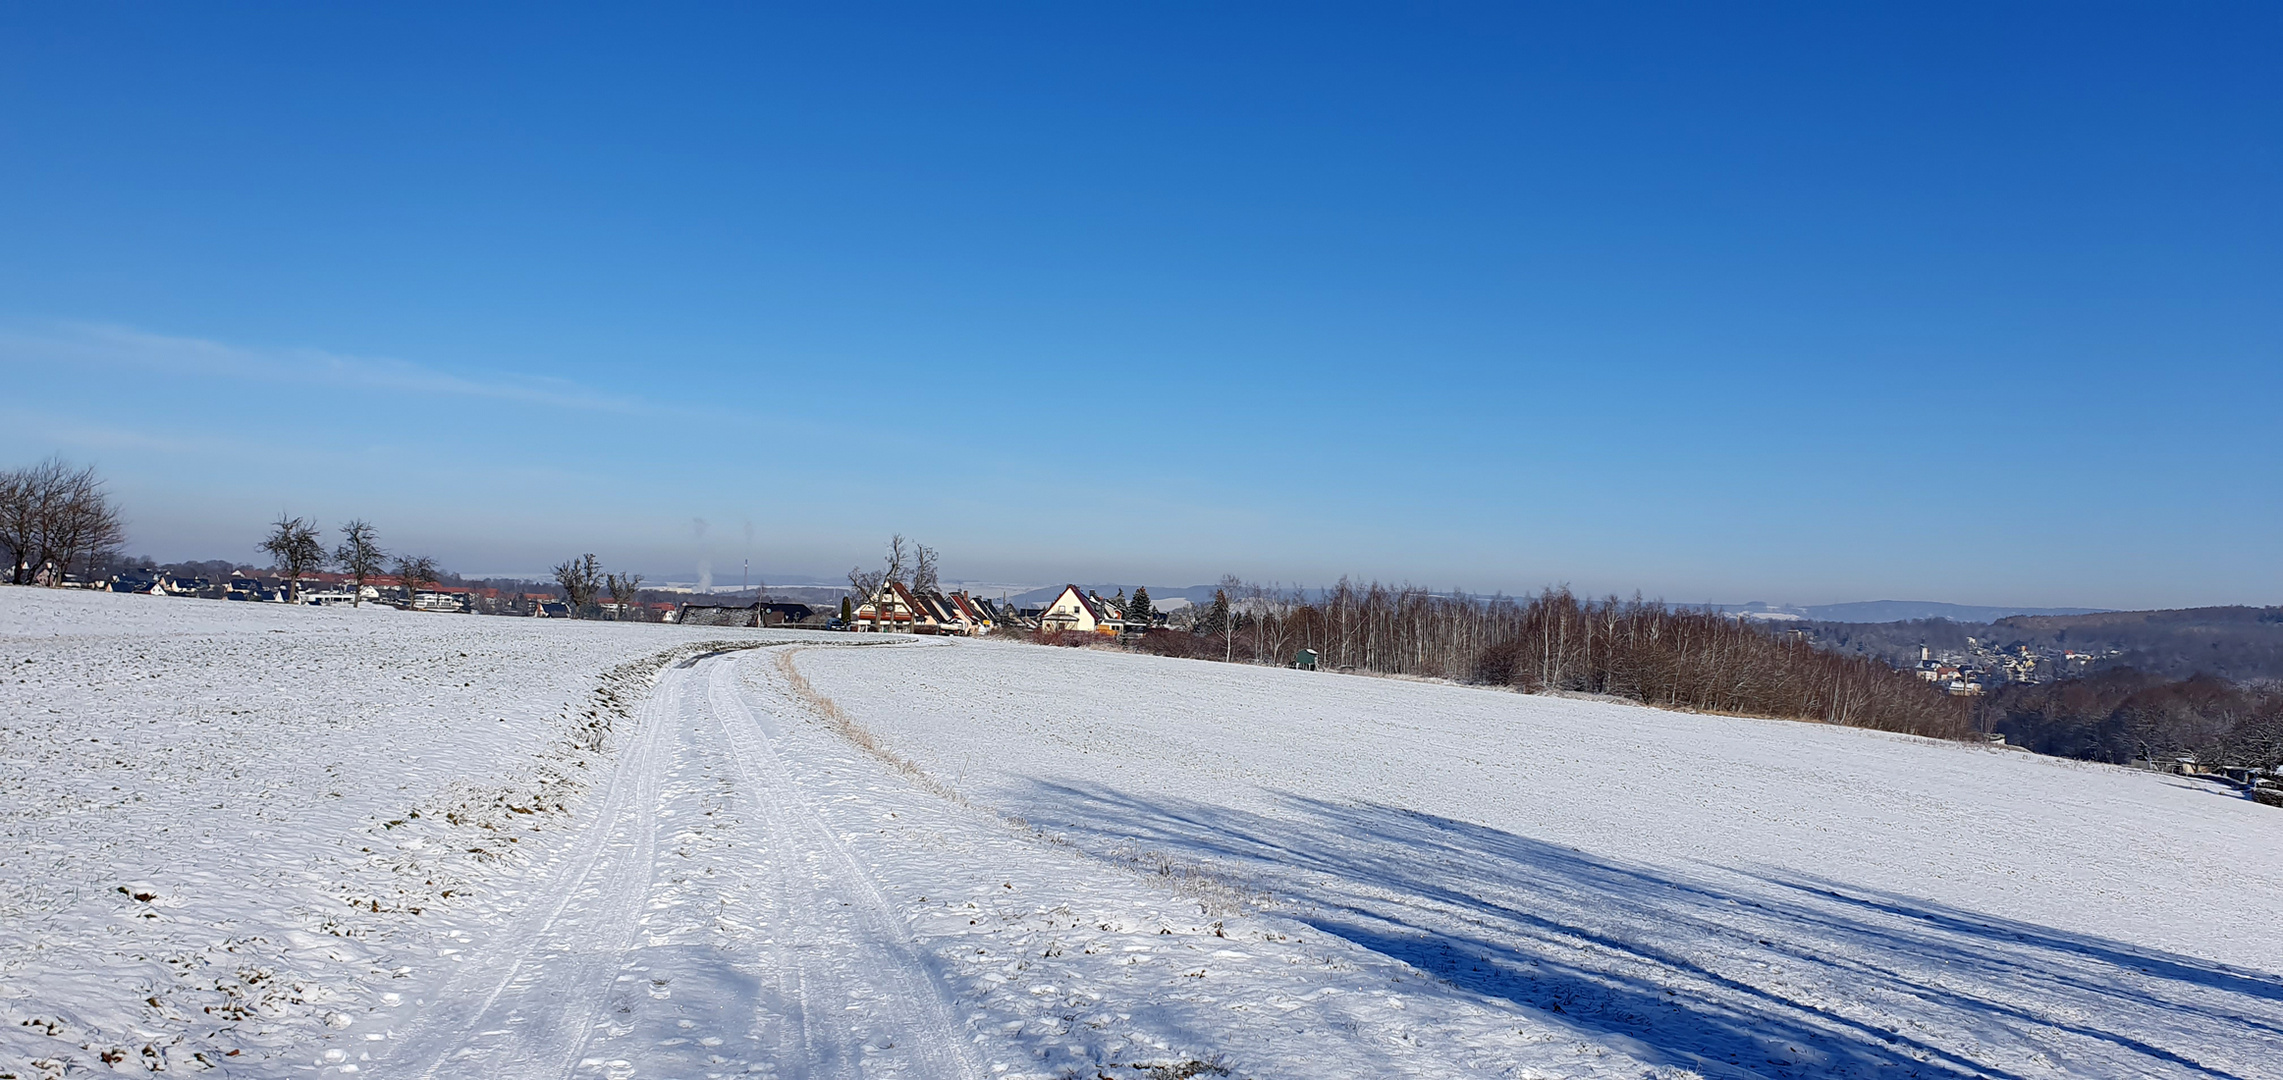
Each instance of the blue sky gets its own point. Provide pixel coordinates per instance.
(1794, 303)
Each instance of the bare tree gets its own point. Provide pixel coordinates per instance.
(294, 549)
(1231, 588)
(21, 493)
(359, 555)
(83, 527)
(414, 571)
(625, 589)
(863, 584)
(54, 517)
(899, 558)
(923, 569)
(891, 572)
(581, 579)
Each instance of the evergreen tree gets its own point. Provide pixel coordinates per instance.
(1216, 618)
(1139, 610)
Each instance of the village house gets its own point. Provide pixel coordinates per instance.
(891, 609)
(183, 585)
(491, 601)
(760, 614)
(785, 613)
(934, 617)
(1082, 612)
(718, 615)
(138, 581)
(896, 609)
(974, 616)
(956, 614)
(448, 598)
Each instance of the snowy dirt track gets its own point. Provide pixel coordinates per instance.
(435, 846)
(235, 835)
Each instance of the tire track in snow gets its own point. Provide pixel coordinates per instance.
(875, 945)
(524, 1009)
(855, 996)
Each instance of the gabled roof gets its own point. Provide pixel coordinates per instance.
(969, 607)
(904, 596)
(941, 608)
(896, 597)
(1095, 606)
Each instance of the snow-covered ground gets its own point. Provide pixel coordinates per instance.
(227, 829)
(288, 841)
(1734, 896)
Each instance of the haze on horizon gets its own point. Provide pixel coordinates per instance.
(1965, 303)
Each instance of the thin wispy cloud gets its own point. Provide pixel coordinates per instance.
(48, 426)
(117, 347)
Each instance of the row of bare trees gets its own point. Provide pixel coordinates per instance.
(56, 519)
(1633, 649)
(296, 548)
(584, 581)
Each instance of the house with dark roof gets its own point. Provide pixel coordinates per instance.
(940, 611)
(141, 580)
(718, 615)
(251, 589)
(971, 616)
(780, 613)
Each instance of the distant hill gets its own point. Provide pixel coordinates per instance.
(2231, 642)
(2237, 643)
(1877, 611)
(2113, 623)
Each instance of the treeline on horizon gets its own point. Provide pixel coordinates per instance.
(2125, 714)
(2228, 710)
(1636, 650)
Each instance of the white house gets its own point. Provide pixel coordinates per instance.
(1082, 612)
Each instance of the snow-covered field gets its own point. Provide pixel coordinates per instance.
(228, 831)
(1732, 896)
(286, 841)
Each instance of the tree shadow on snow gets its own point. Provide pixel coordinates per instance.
(1724, 972)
